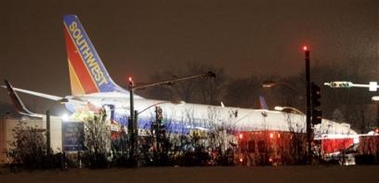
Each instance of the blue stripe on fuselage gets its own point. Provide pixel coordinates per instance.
(144, 123)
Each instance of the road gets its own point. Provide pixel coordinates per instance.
(309, 174)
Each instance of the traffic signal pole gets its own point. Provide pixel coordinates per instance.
(308, 115)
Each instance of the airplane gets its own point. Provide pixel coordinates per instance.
(92, 89)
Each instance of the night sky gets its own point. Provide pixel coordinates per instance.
(137, 38)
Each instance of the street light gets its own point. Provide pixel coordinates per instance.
(159, 103)
(270, 84)
(289, 100)
(288, 109)
(48, 129)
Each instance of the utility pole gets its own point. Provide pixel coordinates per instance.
(308, 115)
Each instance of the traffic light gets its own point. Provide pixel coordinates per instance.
(158, 115)
(316, 111)
(306, 51)
(160, 127)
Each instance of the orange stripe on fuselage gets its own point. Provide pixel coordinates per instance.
(80, 68)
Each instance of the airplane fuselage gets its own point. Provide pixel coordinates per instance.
(187, 116)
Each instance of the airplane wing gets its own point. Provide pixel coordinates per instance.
(38, 94)
(20, 107)
(24, 111)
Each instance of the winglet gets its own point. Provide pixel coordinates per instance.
(20, 107)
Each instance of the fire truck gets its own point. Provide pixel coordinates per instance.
(368, 149)
(337, 148)
(270, 148)
(349, 149)
(281, 148)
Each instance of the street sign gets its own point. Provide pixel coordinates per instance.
(339, 84)
(375, 98)
(72, 136)
(373, 86)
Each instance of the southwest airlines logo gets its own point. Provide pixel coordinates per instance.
(86, 51)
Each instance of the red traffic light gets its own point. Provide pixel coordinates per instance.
(305, 48)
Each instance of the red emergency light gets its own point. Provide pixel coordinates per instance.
(130, 81)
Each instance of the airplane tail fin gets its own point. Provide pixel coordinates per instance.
(263, 103)
(20, 107)
(87, 72)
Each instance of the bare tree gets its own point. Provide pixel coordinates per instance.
(97, 141)
(244, 92)
(293, 143)
(29, 148)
